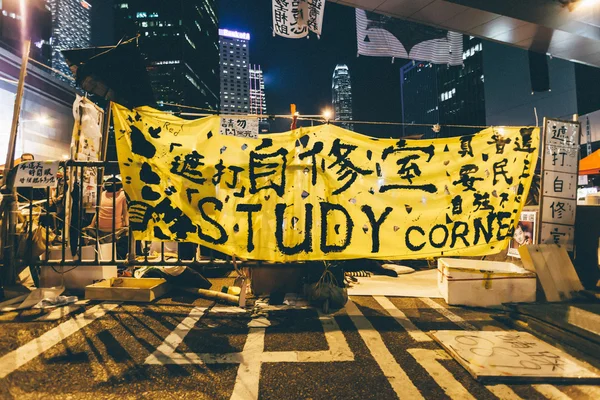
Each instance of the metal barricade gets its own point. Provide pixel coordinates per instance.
(62, 226)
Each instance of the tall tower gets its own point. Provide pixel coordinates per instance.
(179, 39)
(258, 102)
(235, 72)
(341, 93)
(71, 29)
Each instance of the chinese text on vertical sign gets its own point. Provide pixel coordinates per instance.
(559, 182)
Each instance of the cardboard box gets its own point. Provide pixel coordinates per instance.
(484, 283)
(127, 289)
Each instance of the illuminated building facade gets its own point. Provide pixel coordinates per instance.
(235, 71)
(341, 92)
(258, 102)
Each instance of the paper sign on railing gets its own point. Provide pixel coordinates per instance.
(37, 174)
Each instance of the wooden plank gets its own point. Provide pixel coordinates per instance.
(568, 270)
(12, 301)
(58, 313)
(555, 267)
(533, 260)
(552, 334)
(501, 356)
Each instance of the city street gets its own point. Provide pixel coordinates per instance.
(374, 348)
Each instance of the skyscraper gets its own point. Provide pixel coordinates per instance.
(341, 92)
(258, 102)
(445, 95)
(179, 39)
(71, 29)
(420, 99)
(235, 73)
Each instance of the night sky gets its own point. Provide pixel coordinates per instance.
(299, 70)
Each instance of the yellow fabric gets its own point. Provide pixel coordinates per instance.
(357, 197)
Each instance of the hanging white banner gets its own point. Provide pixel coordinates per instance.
(313, 14)
(295, 18)
(287, 19)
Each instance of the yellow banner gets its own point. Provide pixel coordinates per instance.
(323, 192)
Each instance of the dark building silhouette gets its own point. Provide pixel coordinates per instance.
(180, 41)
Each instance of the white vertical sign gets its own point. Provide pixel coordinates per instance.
(560, 168)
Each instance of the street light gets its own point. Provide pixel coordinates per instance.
(327, 114)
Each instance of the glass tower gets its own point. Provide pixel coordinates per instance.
(341, 92)
(71, 29)
(235, 71)
(258, 103)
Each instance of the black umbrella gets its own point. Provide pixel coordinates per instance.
(115, 73)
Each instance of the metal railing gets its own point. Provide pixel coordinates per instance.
(61, 226)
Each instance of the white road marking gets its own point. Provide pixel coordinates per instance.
(248, 376)
(449, 314)
(400, 382)
(429, 360)
(253, 355)
(165, 353)
(58, 313)
(550, 392)
(19, 357)
(503, 392)
(402, 319)
(171, 342)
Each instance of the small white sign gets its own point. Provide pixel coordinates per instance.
(583, 180)
(240, 127)
(560, 184)
(514, 356)
(557, 234)
(37, 174)
(558, 210)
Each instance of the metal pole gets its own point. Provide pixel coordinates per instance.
(10, 155)
(9, 206)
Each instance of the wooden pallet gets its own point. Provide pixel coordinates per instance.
(554, 269)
